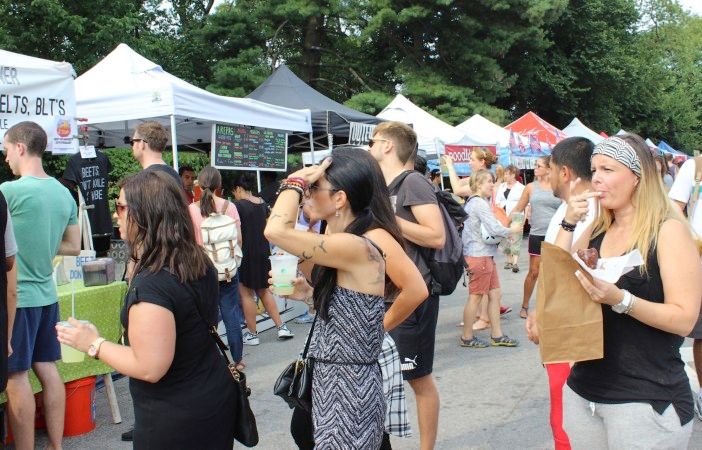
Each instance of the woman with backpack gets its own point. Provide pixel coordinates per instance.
(479, 250)
(210, 180)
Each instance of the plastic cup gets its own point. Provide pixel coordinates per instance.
(68, 353)
(518, 218)
(283, 269)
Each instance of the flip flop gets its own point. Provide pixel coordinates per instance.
(477, 327)
(524, 312)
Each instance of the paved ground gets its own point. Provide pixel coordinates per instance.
(494, 398)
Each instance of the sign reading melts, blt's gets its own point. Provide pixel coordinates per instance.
(242, 147)
(40, 91)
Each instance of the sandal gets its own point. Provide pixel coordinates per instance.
(524, 312)
(240, 366)
(504, 341)
(475, 342)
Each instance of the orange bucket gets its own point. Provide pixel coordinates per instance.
(80, 407)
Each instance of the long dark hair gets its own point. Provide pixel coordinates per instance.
(356, 172)
(209, 180)
(165, 235)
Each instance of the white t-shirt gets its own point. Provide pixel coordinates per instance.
(555, 224)
(682, 191)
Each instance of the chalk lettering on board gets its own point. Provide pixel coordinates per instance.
(248, 148)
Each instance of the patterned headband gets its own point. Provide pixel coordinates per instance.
(619, 150)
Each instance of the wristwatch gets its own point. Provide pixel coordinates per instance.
(625, 305)
(94, 348)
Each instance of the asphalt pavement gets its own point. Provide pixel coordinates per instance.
(493, 398)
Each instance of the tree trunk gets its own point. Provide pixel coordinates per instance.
(311, 55)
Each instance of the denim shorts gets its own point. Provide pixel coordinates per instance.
(34, 337)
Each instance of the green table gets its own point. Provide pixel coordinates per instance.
(100, 305)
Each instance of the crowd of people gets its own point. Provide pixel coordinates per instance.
(361, 224)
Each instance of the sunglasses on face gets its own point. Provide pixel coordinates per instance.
(315, 188)
(371, 142)
(132, 141)
(120, 208)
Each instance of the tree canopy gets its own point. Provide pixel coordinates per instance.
(632, 64)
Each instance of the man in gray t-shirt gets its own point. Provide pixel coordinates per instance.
(394, 146)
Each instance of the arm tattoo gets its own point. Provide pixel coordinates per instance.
(375, 256)
(305, 256)
(321, 246)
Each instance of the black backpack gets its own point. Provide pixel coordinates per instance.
(446, 264)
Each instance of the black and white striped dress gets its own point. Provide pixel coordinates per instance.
(348, 405)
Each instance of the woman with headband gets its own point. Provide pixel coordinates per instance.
(638, 395)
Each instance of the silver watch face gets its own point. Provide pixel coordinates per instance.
(619, 308)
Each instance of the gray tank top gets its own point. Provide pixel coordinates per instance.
(543, 206)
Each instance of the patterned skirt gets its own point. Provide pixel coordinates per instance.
(348, 406)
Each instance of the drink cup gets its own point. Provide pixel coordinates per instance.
(68, 353)
(518, 218)
(283, 269)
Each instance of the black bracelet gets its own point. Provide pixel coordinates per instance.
(569, 227)
(293, 187)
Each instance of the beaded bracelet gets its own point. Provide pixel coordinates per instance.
(569, 227)
(291, 186)
(297, 180)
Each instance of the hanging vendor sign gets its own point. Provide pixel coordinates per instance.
(360, 133)
(41, 91)
(461, 155)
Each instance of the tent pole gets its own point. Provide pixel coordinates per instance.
(330, 140)
(258, 180)
(174, 142)
(311, 148)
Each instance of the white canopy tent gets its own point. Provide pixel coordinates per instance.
(484, 130)
(41, 91)
(125, 88)
(432, 133)
(577, 129)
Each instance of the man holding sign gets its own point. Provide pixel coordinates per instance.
(45, 223)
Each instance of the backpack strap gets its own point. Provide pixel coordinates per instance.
(696, 189)
(226, 206)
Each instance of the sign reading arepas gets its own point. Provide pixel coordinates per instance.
(242, 147)
(40, 91)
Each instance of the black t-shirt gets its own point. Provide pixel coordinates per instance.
(169, 170)
(196, 393)
(91, 176)
(641, 363)
(414, 190)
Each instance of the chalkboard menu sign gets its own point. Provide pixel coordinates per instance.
(242, 147)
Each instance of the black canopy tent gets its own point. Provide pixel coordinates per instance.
(330, 119)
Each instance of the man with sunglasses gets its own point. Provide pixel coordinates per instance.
(149, 142)
(394, 146)
(44, 217)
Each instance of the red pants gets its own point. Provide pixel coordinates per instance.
(557, 376)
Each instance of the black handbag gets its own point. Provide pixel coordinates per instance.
(294, 385)
(245, 430)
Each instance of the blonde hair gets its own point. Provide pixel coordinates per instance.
(486, 156)
(477, 180)
(499, 173)
(651, 204)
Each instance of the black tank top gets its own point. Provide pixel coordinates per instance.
(641, 363)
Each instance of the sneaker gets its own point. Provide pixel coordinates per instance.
(250, 338)
(284, 333)
(504, 310)
(515, 268)
(698, 405)
(504, 341)
(305, 318)
(508, 266)
(476, 342)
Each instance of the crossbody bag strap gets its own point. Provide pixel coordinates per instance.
(309, 337)
(212, 330)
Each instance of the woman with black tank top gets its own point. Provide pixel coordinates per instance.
(638, 395)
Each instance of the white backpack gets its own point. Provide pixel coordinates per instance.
(219, 239)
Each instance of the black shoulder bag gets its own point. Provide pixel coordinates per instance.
(294, 385)
(245, 430)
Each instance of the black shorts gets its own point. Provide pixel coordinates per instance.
(535, 244)
(415, 340)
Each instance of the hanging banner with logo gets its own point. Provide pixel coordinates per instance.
(461, 156)
(360, 133)
(40, 91)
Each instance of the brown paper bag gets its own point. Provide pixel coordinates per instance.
(568, 321)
